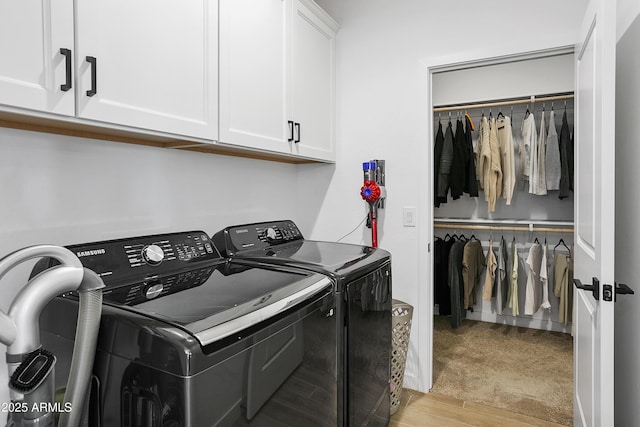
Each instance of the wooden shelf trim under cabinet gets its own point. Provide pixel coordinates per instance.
(81, 130)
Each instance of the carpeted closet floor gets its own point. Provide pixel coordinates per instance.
(522, 370)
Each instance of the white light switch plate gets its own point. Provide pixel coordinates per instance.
(409, 216)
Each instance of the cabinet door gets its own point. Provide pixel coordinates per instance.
(32, 69)
(155, 64)
(313, 81)
(253, 73)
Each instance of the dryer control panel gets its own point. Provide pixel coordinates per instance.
(261, 235)
(139, 258)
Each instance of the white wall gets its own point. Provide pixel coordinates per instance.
(64, 190)
(383, 51)
(627, 312)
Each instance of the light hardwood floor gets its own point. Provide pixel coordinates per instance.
(431, 409)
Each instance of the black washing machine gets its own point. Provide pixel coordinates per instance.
(362, 279)
(190, 339)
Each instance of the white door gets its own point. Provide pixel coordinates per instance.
(313, 84)
(33, 70)
(254, 63)
(594, 216)
(155, 64)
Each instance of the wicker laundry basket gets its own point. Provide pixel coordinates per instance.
(401, 314)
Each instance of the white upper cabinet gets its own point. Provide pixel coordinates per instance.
(277, 77)
(253, 73)
(313, 81)
(257, 75)
(32, 67)
(148, 64)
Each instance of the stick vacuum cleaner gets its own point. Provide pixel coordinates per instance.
(373, 192)
(31, 368)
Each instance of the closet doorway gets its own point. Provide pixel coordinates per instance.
(502, 349)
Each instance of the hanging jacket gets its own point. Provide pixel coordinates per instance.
(544, 279)
(472, 262)
(456, 285)
(437, 154)
(538, 177)
(483, 152)
(564, 142)
(457, 176)
(490, 273)
(441, 291)
(552, 159)
(532, 295)
(529, 144)
(505, 142)
(493, 174)
(446, 159)
(512, 296)
(471, 184)
(501, 285)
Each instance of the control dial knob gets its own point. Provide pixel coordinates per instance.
(153, 254)
(271, 234)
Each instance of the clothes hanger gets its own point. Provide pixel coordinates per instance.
(473, 127)
(527, 113)
(561, 242)
(536, 241)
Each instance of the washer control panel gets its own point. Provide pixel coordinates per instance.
(155, 287)
(147, 256)
(262, 235)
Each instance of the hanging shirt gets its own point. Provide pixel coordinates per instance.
(502, 281)
(505, 143)
(512, 297)
(437, 154)
(472, 262)
(529, 144)
(490, 275)
(544, 280)
(538, 177)
(532, 297)
(552, 160)
(493, 176)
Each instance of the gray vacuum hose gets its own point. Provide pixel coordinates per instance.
(84, 348)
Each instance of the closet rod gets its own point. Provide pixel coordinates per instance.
(503, 228)
(528, 100)
(528, 222)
